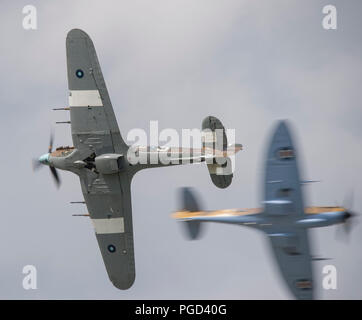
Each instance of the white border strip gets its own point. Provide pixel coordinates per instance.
(112, 225)
(85, 98)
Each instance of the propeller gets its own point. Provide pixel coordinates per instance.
(44, 160)
(50, 148)
(344, 230)
(55, 176)
(36, 164)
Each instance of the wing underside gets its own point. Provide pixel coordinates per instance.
(93, 122)
(292, 254)
(108, 200)
(282, 193)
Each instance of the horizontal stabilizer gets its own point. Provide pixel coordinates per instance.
(214, 138)
(190, 204)
(192, 229)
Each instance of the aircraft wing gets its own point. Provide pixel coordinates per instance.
(282, 193)
(108, 200)
(291, 250)
(95, 132)
(94, 125)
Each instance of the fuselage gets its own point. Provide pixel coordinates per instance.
(70, 159)
(313, 217)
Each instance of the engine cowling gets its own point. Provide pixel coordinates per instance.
(109, 163)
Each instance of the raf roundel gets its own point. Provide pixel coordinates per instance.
(79, 73)
(111, 248)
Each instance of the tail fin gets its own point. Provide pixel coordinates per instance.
(214, 138)
(189, 203)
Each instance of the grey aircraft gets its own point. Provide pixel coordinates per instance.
(283, 218)
(106, 165)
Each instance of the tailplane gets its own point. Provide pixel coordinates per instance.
(214, 141)
(189, 203)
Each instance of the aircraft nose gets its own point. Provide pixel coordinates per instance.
(44, 159)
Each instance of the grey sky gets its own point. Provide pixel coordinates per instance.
(246, 62)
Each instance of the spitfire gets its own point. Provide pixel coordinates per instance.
(283, 218)
(99, 158)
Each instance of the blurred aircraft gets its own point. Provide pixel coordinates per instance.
(104, 162)
(283, 218)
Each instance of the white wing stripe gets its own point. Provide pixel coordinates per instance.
(85, 98)
(112, 225)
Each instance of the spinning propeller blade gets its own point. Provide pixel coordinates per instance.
(36, 164)
(50, 148)
(343, 232)
(55, 176)
(44, 160)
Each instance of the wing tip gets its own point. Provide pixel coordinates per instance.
(123, 284)
(77, 33)
(282, 135)
(282, 126)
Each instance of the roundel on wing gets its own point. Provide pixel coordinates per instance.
(79, 73)
(111, 248)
